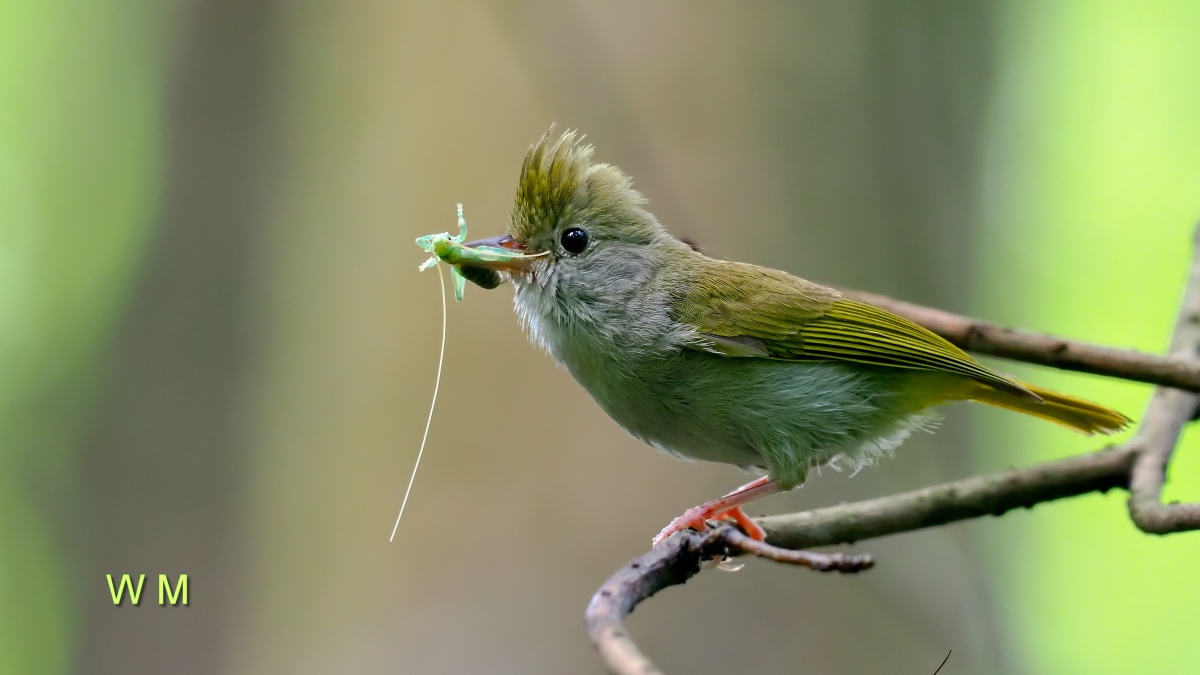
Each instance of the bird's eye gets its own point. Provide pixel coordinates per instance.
(574, 240)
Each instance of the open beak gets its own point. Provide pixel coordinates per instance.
(506, 242)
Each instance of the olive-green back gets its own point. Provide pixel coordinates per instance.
(749, 311)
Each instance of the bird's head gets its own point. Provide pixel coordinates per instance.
(598, 244)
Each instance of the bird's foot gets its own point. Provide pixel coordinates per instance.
(729, 506)
(697, 518)
(751, 528)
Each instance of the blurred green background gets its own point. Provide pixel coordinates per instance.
(216, 354)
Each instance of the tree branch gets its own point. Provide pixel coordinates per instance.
(982, 337)
(1168, 412)
(674, 562)
(969, 498)
(1139, 466)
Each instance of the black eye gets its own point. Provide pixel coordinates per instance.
(574, 240)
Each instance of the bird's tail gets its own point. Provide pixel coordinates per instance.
(1071, 412)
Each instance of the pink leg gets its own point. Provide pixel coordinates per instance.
(751, 528)
(729, 505)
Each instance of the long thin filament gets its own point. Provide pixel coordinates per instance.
(436, 383)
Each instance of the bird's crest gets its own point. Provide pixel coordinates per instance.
(553, 171)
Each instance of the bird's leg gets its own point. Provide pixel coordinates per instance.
(751, 528)
(729, 505)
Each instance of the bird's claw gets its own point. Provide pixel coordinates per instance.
(693, 518)
(697, 518)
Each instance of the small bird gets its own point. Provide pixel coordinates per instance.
(726, 361)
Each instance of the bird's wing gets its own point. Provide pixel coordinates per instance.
(742, 310)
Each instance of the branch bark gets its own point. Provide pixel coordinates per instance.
(1139, 466)
(992, 495)
(982, 337)
(674, 562)
(1169, 411)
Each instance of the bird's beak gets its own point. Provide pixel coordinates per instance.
(517, 264)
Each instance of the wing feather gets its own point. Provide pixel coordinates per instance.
(785, 317)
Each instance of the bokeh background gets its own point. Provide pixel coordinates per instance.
(216, 353)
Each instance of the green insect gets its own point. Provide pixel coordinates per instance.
(451, 251)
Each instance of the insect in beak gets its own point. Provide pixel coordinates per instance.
(486, 256)
(518, 263)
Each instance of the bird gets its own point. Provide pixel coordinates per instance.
(726, 361)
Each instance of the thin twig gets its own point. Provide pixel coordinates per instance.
(1169, 411)
(965, 499)
(672, 563)
(982, 337)
(939, 668)
(821, 562)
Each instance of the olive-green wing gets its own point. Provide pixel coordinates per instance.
(747, 311)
